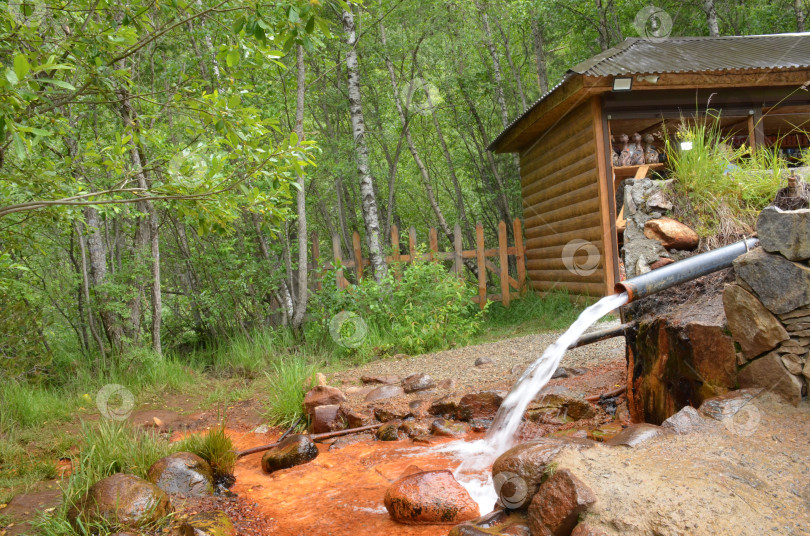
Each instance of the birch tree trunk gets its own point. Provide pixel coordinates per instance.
(540, 55)
(515, 71)
(798, 9)
(368, 198)
(301, 297)
(496, 65)
(98, 274)
(711, 17)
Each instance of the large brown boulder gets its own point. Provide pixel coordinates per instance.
(326, 419)
(294, 450)
(781, 285)
(429, 497)
(559, 502)
(481, 405)
(322, 395)
(671, 233)
(751, 324)
(120, 500)
(183, 473)
(518, 472)
(770, 373)
(786, 232)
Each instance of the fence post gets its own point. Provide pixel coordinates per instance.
(358, 256)
(395, 256)
(520, 259)
(412, 243)
(457, 251)
(434, 244)
(504, 261)
(340, 280)
(316, 252)
(482, 267)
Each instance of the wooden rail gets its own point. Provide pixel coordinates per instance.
(509, 288)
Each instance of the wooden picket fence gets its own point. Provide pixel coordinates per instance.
(510, 288)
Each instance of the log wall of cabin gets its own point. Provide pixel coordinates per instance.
(563, 200)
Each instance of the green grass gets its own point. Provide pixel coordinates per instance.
(285, 391)
(213, 446)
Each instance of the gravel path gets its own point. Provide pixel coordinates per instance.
(459, 363)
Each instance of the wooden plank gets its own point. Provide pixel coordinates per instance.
(520, 259)
(316, 253)
(597, 276)
(575, 182)
(504, 262)
(587, 233)
(576, 135)
(586, 289)
(496, 270)
(457, 250)
(608, 214)
(563, 149)
(396, 258)
(575, 222)
(534, 219)
(434, 244)
(752, 139)
(642, 171)
(554, 251)
(482, 271)
(584, 192)
(336, 251)
(538, 182)
(559, 263)
(554, 165)
(358, 256)
(412, 243)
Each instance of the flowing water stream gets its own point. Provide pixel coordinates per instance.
(477, 456)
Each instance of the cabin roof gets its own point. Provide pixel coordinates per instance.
(683, 55)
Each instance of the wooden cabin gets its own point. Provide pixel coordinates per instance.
(758, 83)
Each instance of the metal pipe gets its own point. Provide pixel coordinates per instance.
(601, 335)
(685, 270)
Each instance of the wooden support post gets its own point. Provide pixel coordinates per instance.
(457, 249)
(340, 280)
(412, 243)
(395, 256)
(482, 267)
(520, 258)
(752, 141)
(759, 128)
(358, 256)
(504, 258)
(316, 253)
(434, 244)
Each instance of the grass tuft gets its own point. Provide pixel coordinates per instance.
(285, 389)
(215, 447)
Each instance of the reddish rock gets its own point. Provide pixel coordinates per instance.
(389, 431)
(384, 379)
(769, 373)
(294, 450)
(430, 497)
(447, 428)
(326, 419)
(481, 405)
(751, 324)
(446, 406)
(583, 529)
(183, 473)
(120, 499)
(419, 408)
(415, 428)
(418, 382)
(559, 502)
(353, 417)
(391, 410)
(523, 468)
(671, 233)
(322, 395)
(660, 263)
(497, 522)
(606, 432)
(636, 434)
(383, 392)
(446, 384)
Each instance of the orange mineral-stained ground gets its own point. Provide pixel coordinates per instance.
(340, 492)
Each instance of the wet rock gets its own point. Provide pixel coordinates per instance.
(384, 391)
(353, 417)
(415, 428)
(391, 411)
(671, 233)
(786, 232)
(385, 379)
(686, 421)
(446, 406)
(561, 372)
(345, 441)
(483, 362)
(120, 500)
(498, 523)
(769, 373)
(524, 466)
(480, 425)
(751, 324)
(606, 432)
(322, 395)
(389, 431)
(183, 473)
(419, 409)
(726, 406)
(294, 450)
(636, 434)
(660, 263)
(446, 384)
(781, 285)
(326, 419)
(552, 408)
(430, 497)
(214, 523)
(571, 433)
(481, 405)
(584, 529)
(559, 502)
(447, 428)
(418, 382)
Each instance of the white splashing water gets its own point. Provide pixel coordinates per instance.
(476, 456)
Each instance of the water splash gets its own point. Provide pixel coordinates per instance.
(477, 456)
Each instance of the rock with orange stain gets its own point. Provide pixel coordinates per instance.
(295, 450)
(429, 497)
(322, 395)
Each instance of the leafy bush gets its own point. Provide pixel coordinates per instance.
(425, 309)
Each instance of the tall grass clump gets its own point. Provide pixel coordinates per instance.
(285, 394)
(23, 404)
(213, 446)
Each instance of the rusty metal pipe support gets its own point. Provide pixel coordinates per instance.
(685, 270)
